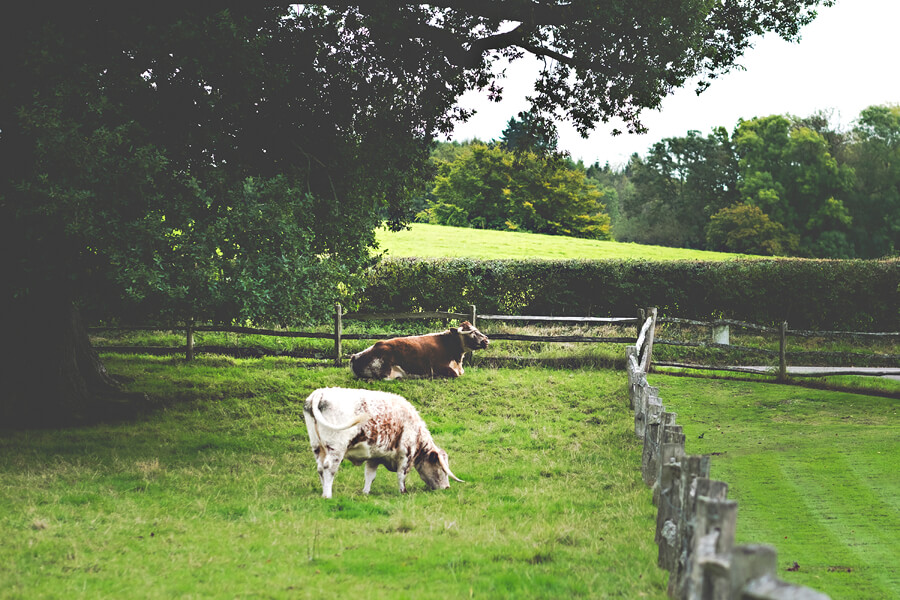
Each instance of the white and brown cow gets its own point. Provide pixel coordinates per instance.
(376, 428)
(430, 355)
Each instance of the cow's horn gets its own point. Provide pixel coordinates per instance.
(446, 467)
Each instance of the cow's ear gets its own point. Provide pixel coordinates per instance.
(433, 457)
(454, 330)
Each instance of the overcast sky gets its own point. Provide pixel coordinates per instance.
(846, 60)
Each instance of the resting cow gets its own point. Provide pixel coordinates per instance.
(376, 428)
(430, 355)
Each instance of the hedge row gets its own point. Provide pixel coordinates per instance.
(809, 294)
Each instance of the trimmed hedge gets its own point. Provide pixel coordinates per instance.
(851, 295)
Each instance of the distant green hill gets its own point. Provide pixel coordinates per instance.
(433, 241)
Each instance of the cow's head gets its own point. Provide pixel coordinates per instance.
(434, 469)
(472, 338)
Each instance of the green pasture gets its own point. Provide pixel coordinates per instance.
(436, 241)
(210, 491)
(814, 474)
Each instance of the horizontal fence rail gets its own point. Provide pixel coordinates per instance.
(339, 335)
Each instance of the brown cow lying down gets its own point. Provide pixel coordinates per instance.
(376, 428)
(430, 355)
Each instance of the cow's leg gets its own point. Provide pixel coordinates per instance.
(328, 470)
(371, 471)
(402, 471)
(319, 453)
(447, 371)
(396, 372)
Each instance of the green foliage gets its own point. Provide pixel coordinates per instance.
(157, 178)
(746, 228)
(789, 172)
(678, 186)
(530, 132)
(850, 295)
(875, 201)
(835, 193)
(488, 187)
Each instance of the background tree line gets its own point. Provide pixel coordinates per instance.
(776, 185)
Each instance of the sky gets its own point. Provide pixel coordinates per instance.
(846, 60)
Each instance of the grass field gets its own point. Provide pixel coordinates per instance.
(213, 493)
(211, 490)
(436, 241)
(814, 474)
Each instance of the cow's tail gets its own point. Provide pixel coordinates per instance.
(321, 420)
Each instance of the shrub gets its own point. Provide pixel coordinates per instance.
(814, 294)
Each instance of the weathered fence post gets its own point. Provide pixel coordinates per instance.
(701, 487)
(720, 333)
(694, 467)
(713, 540)
(668, 515)
(749, 562)
(671, 450)
(782, 361)
(468, 354)
(189, 342)
(338, 329)
(647, 396)
(648, 353)
(652, 441)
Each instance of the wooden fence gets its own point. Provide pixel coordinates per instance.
(338, 335)
(696, 523)
(720, 338)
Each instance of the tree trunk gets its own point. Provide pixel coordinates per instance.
(54, 376)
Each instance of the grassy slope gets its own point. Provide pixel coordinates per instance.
(814, 474)
(214, 494)
(425, 240)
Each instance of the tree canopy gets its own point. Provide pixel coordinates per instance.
(832, 193)
(489, 187)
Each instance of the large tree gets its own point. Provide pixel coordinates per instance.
(488, 187)
(232, 163)
(682, 182)
(875, 200)
(788, 171)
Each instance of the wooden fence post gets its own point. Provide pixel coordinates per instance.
(649, 396)
(338, 329)
(189, 342)
(669, 514)
(652, 443)
(693, 468)
(468, 354)
(702, 487)
(648, 353)
(713, 540)
(671, 451)
(782, 361)
(749, 562)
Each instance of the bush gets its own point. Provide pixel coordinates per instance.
(809, 294)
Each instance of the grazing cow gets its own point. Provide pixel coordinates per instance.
(430, 355)
(376, 428)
